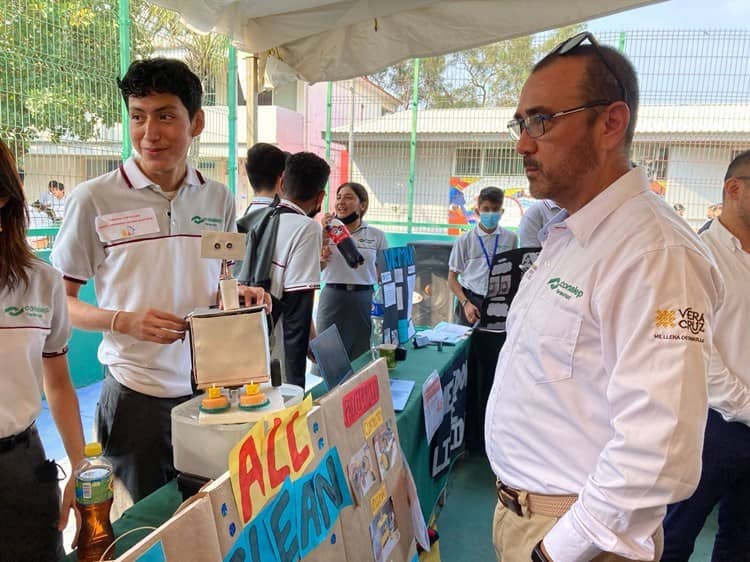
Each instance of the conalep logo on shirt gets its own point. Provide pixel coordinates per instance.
(564, 289)
(689, 323)
(31, 311)
(208, 221)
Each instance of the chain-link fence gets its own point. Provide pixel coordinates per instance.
(423, 157)
(60, 108)
(424, 167)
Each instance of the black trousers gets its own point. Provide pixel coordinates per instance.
(29, 504)
(484, 349)
(135, 431)
(458, 312)
(725, 481)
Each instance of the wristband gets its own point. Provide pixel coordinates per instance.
(463, 302)
(112, 322)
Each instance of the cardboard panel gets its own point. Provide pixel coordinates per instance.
(361, 411)
(189, 535)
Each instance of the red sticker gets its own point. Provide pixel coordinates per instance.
(360, 399)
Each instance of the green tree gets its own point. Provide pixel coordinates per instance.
(59, 62)
(486, 76)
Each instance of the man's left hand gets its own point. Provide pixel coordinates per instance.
(255, 296)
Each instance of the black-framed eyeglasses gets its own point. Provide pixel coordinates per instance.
(534, 124)
(571, 44)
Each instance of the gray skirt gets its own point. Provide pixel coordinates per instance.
(350, 312)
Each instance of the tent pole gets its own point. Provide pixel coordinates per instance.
(124, 32)
(329, 98)
(413, 147)
(232, 118)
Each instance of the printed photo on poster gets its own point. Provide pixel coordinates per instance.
(384, 532)
(361, 472)
(385, 448)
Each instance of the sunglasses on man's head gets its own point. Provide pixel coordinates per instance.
(574, 42)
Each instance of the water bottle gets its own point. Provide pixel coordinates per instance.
(338, 232)
(377, 310)
(93, 481)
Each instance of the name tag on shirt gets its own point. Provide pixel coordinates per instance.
(127, 224)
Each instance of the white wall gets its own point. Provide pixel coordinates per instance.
(695, 176)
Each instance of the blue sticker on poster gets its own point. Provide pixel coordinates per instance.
(153, 554)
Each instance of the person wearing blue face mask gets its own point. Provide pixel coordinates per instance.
(472, 255)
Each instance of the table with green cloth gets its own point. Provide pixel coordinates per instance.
(155, 509)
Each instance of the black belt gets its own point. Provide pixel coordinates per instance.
(349, 287)
(9, 443)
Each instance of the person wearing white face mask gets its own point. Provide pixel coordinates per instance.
(472, 255)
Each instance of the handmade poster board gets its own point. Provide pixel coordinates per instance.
(505, 278)
(448, 441)
(397, 281)
(322, 482)
(360, 420)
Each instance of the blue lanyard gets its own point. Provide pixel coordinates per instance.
(484, 250)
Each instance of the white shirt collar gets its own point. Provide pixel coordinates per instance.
(136, 179)
(586, 220)
(724, 235)
(293, 206)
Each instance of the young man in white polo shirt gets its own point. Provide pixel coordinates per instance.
(295, 269)
(264, 167)
(473, 252)
(136, 232)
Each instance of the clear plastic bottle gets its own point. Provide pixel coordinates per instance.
(94, 480)
(377, 310)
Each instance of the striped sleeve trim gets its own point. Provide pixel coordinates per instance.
(63, 351)
(74, 280)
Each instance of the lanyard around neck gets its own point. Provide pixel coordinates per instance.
(484, 250)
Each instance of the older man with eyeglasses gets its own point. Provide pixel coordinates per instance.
(595, 420)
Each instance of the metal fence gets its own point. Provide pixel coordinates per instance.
(60, 109)
(424, 152)
(426, 159)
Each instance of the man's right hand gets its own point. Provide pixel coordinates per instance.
(472, 312)
(152, 325)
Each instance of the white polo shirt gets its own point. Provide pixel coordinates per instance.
(368, 241)
(259, 202)
(472, 253)
(600, 388)
(296, 259)
(33, 324)
(729, 377)
(160, 268)
(533, 220)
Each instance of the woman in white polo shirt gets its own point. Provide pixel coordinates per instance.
(346, 298)
(35, 330)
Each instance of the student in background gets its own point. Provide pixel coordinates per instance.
(347, 296)
(265, 168)
(33, 359)
(295, 268)
(472, 255)
(533, 221)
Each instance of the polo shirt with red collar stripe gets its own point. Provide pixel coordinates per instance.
(33, 324)
(159, 267)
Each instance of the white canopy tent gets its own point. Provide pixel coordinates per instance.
(335, 40)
